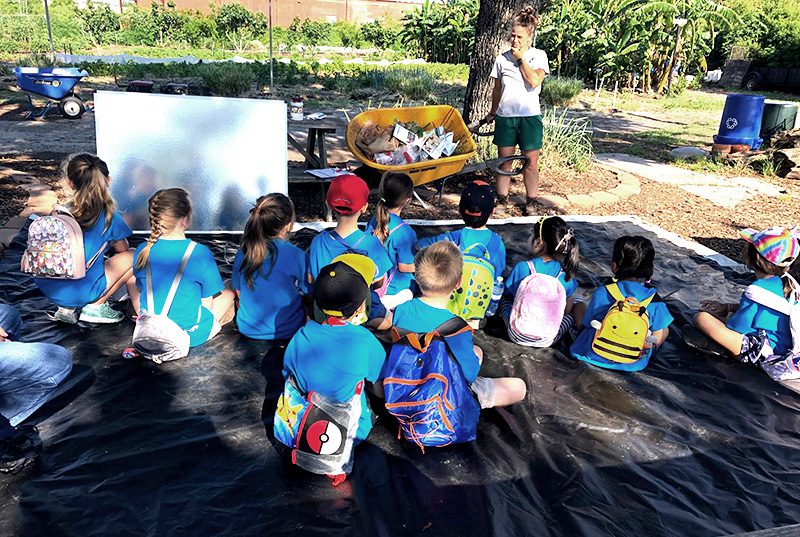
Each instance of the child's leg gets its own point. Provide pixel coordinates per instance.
(578, 311)
(119, 270)
(503, 391)
(718, 332)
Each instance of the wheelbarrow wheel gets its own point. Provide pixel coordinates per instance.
(71, 107)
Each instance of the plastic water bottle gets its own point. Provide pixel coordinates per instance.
(497, 294)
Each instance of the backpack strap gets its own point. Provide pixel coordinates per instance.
(616, 294)
(421, 340)
(766, 298)
(531, 266)
(338, 238)
(395, 228)
(175, 282)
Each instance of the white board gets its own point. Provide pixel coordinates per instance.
(225, 152)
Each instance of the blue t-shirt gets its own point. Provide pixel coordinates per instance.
(76, 293)
(273, 308)
(751, 317)
(332, 360)
(417, 316)
(552, 268)
(400, 249)
(657, 312)
(466, 237)
(324, 248)
(200, 280)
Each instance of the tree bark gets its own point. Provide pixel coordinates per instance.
(491, 34)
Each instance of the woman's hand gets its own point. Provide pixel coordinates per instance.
(517, 53)
(489, 118)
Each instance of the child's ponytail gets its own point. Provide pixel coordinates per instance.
(271, 214)
(559, 243)
(166, 207)
(395, 191)
(90, 180)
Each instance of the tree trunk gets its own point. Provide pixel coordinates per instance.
(491, 34)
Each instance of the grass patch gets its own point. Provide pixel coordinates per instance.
(561, 91)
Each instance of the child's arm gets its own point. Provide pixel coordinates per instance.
(119, 246)
(405, 267)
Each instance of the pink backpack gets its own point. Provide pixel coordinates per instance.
(381, 291)
(55, 248)
(538, 306)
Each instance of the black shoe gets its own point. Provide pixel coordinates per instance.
(20, 450)
(699, 341)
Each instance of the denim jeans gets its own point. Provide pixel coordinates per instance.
(29, 372)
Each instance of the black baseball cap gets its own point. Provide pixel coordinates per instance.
(343, 286)
(477, 199)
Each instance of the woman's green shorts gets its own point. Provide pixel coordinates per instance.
(525, 132)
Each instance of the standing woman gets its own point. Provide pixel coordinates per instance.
(518, 75)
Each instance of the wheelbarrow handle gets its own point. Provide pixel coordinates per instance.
(494, 165)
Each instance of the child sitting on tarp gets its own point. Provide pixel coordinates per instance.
(479, 245)
(758, 330)
(438, 273)
(539, 305)
(325, 366)
(626, 319)
(347, 197)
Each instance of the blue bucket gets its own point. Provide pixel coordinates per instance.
(741, 121)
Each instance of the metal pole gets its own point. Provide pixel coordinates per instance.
(270, 48)
(49, 30)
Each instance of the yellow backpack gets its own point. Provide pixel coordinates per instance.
(621, 336)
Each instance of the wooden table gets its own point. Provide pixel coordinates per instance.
(316, 150)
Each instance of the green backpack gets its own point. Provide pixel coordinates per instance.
(472, 297)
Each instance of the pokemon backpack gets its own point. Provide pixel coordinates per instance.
(538, 308)
(620, 338)
(320, 432)
(55, 248)
(426, 389)
(472, 298)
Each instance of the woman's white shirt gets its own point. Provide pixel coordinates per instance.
(518, 98)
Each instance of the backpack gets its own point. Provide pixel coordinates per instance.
(320, 432)
(156, 336)
(790, 307)
(426, 390)
(55, 248)
(473, 296)
(381, 291)
(621, 336)
(538, 308)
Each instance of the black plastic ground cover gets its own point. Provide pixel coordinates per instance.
(690, 446)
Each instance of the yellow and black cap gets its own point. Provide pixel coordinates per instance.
(344, 285)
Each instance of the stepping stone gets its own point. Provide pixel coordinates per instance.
(582, 200)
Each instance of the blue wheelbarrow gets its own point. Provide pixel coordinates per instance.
(54, 84)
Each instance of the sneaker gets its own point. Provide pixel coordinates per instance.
(532, 207)
(785, 368)
(700, 342)
(102, 314)
(20, 450)
(66, 315)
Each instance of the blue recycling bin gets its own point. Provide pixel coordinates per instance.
(741, 121)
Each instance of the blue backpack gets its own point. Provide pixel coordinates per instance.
(426, 390)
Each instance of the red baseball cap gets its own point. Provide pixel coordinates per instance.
(347, 194)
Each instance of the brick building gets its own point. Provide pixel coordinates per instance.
(284, 11)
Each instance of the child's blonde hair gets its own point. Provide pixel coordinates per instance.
(88, 175)
(167, 207)
(438, 267)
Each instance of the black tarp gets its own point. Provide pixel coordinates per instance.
(691, 446)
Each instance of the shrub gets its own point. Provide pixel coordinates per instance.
(228, 79)
(566, 141)
(413, 84)
(99, 21)
(561, 91)
(349, 34)
(384, 35)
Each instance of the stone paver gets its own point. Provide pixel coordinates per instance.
(582, 200)
(604, 197)
(722, 191)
